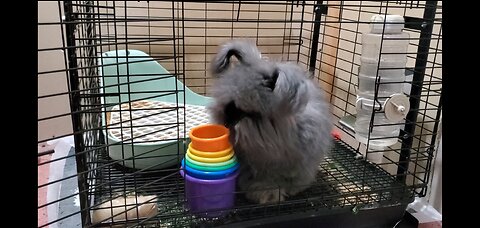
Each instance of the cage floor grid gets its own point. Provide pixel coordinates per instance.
(343, 180)
(150, 121)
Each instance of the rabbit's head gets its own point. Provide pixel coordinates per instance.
(255, 87)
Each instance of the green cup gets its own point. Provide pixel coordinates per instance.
(210, 168)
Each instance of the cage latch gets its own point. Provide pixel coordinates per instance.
(321, 8)
(415, 23)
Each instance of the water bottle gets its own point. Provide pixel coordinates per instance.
(382, 72)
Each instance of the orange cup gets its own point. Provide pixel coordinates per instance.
(209, 137)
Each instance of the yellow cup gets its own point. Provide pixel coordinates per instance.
(210, 160)
(204, 154)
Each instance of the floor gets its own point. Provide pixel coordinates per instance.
(43, 174)
(61, 189)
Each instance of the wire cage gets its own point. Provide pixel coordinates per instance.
(137, 79)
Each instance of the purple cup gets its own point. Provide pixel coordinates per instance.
(212, 197)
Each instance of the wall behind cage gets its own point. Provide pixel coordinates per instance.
(49, 36)
(183, 37)
(197, 29)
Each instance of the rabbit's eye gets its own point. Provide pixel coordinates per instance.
(269, 81)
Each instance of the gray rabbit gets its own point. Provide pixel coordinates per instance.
(279, 121)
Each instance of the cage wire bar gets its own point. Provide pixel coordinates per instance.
(322, 36)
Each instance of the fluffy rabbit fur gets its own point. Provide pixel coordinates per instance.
(279, 122)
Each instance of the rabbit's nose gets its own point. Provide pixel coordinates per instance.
(269, 81)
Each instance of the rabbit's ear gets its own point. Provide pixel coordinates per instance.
(246, 53)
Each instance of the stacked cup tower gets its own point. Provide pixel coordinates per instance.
(210, 169)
